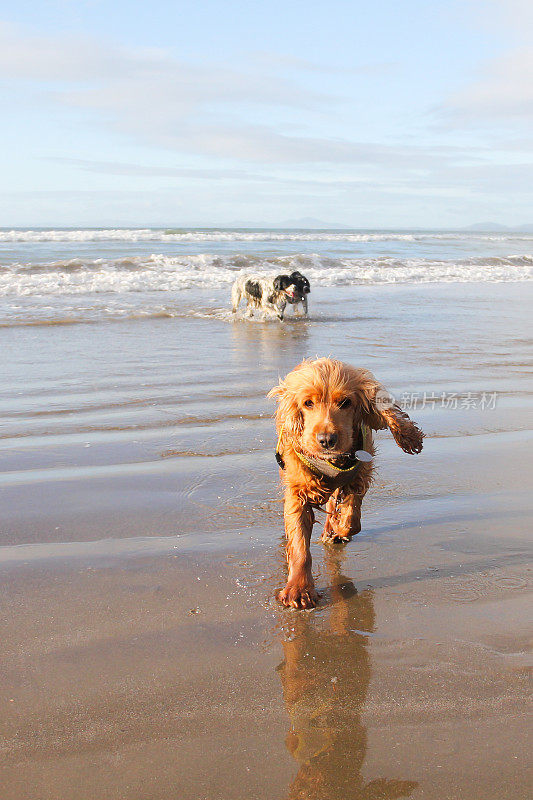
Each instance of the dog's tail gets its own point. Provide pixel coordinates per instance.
(236, 295)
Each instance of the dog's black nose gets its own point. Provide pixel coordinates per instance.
(327, 440)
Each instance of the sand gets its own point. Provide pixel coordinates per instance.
(143, 652)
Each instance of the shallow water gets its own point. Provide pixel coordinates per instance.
(181, 403)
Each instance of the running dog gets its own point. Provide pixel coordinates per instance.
(326, 413)
(270, 293)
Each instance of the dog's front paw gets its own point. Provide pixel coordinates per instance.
(331, 533)
(333, 537)
(299, 594)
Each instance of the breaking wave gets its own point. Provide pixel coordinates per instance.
(213, 235)
(163, 273)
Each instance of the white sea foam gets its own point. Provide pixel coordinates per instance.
(161, 273)
(186, 236)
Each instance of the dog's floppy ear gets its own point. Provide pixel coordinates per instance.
(380, 412)
(281, 282)
(288, 415)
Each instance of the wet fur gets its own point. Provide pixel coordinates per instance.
(268, 293)
(326, 383)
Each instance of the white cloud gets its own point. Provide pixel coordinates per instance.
(145, 90)
(154, 171)
(283, 62)
(150, 97)
(503, 94)
(514, 14)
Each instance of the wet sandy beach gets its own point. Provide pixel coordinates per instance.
(143, 653)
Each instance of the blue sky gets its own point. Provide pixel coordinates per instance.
(179, 113)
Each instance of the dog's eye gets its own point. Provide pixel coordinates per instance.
(345, 403)
(309, 404)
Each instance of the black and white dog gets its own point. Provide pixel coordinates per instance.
(270, 293)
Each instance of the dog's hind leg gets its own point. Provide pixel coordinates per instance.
(249, 309)
(236, 296)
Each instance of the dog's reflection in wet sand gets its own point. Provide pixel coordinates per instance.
(325, 676)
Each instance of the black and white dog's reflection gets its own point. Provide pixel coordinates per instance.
(270, 293)
(325, 676)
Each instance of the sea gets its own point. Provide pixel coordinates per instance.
(54, 276)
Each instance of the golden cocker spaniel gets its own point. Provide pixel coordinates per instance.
(326, 413)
